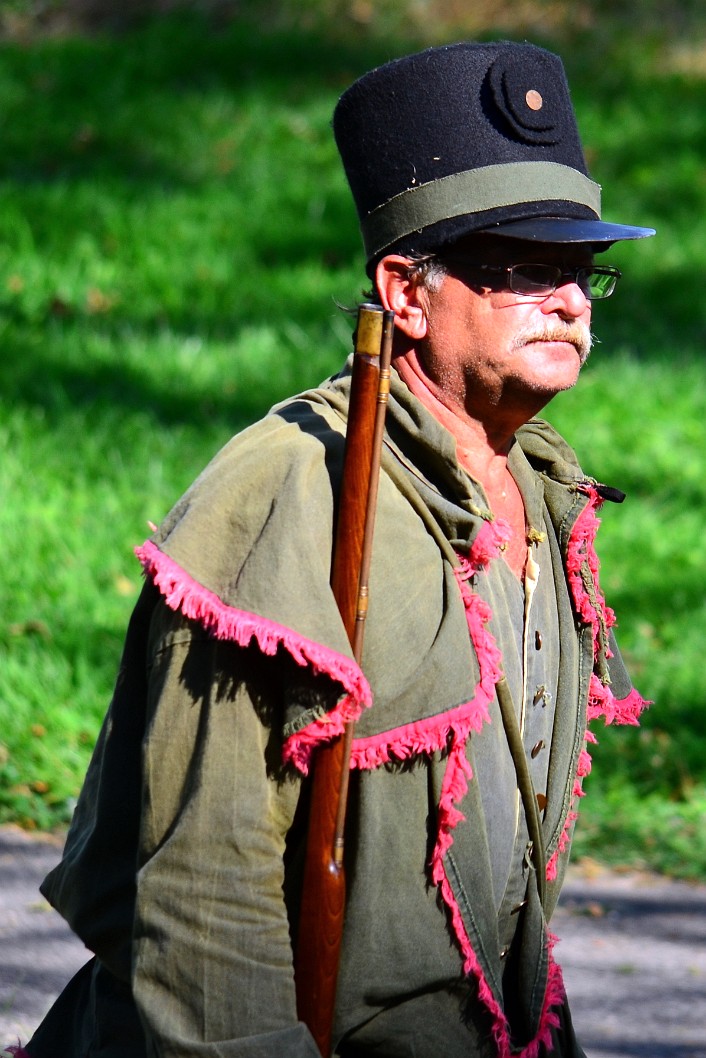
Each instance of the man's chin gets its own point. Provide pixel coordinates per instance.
(541, 391)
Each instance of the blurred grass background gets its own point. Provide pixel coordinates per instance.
(175, 232)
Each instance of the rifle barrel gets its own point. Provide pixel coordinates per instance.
(324, 889)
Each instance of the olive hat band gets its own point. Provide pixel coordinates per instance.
(474, 191)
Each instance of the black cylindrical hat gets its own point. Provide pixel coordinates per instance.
(466, 138)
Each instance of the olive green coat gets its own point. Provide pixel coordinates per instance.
(182, 865)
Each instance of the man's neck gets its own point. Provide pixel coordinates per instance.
(482, 456)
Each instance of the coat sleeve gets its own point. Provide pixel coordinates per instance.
(212, 955)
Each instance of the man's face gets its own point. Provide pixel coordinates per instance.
(487, 347)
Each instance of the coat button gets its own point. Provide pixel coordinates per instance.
(538, 640)
(537, 748)
(542, 801)
(541, 695)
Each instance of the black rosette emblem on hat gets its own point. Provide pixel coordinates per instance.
(532, 97)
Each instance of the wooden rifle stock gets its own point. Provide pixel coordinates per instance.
(322, 908)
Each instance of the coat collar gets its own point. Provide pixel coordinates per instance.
(543, 464)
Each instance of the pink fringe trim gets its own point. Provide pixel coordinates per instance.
(487, 545)
(17, 1050)
(490, 539)
(299, 747)
(458, 772)
(181, 592)
(422, 736)
(581, 550)
(583, 769)
(425, 736)
(601, 700)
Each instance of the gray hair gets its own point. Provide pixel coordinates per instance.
(428, 270)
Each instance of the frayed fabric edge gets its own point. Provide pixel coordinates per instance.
(422, 736)
(454, 787)
(601, 703)
(433, 733)
(455, 784)
(555, 994)
(184, 594)
(601, 700)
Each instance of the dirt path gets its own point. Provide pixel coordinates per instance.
(633, 949)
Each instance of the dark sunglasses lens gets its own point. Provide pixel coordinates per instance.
(534, 278)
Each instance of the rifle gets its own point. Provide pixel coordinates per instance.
(322, 907)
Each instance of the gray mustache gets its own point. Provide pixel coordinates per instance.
(577, 334)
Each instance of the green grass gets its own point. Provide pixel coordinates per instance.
(174, 234)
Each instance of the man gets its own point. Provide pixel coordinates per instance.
(182, 867)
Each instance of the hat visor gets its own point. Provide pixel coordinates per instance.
(565, 229)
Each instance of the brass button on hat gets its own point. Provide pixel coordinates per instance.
(534, 99)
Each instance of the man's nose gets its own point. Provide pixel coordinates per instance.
(569, 299)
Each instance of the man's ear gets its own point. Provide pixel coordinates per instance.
(403, 294)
